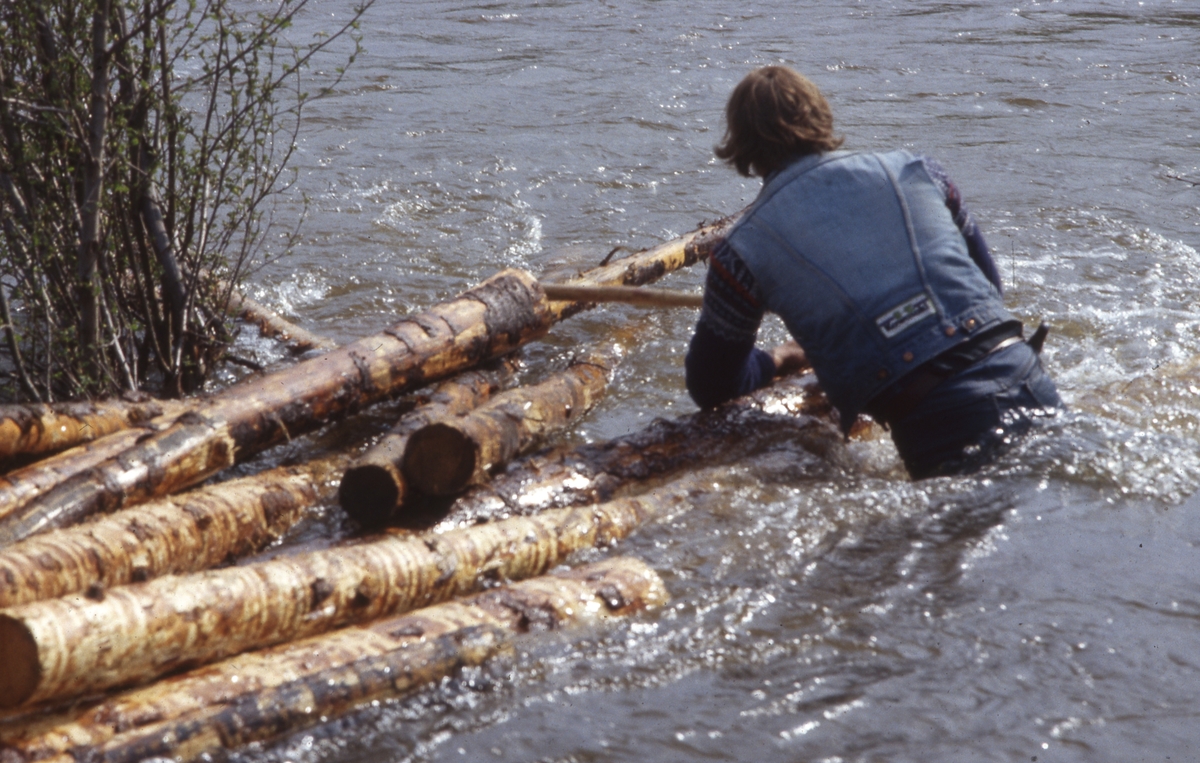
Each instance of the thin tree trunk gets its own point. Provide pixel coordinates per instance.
(445, 456)
(490, 320)
(27, 430)
(260, 695)
(191, 532)
(373, 487)
(73, 646)
(89, 235)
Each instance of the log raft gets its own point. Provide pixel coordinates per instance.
(257, 696)
(73, 646)
(488, 321)
(190, 532)
(445, 456)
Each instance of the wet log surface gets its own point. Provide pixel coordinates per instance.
(75, 645)
(492, 319)
(262, 694)
(373, 487)
(445, 456)
(39, 429)
(190, 532)
(598, 472)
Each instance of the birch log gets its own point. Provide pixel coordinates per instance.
(492, 319)
(73, 646)
(373, 487)
(39, 429)
(260, 695)
(446, 456)
(194, 531)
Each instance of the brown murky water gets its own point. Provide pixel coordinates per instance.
(825, 608)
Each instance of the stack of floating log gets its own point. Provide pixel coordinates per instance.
(136, 621)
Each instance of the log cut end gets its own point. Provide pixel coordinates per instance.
(439, 460)
(370, 493)
(20, 668)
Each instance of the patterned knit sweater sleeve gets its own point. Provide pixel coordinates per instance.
(976, 246)
(722, 362)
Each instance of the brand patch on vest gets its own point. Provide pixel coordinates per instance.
(904, 315)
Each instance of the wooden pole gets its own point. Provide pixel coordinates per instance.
(257, 696)
(190, 532)
(373, 487)
(74, 646)
(445, 456)
(627, 294)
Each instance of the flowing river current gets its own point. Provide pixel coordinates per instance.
(825, 608)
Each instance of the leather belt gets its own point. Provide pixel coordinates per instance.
(923, 379)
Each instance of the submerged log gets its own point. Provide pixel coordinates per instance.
(373, 487)
(194, 531)
(257, 696)
(275, 326)
(490, 320)
(38, 429)
(73, 646)
(600, 471)
(446, 456)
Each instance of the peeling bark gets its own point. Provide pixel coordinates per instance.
(263, 694)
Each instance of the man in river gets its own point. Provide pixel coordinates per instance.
(882, 278)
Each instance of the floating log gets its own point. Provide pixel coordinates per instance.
(492, 319)
(38, 429)
(275, 326)
(600, 471)
(445, 456)
(72, 646)
(257, 696)
(629, 295)
(373, 487)
(190, 532)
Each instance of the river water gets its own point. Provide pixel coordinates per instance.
(825, 608)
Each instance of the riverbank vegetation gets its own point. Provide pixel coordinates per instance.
(141, 145)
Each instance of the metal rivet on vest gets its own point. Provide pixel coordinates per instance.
(969, 324)
(908, 356)
(883, 374)
(950, 331)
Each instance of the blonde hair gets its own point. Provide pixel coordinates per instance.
(773, 116)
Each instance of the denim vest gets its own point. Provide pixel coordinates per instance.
(860, 257)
